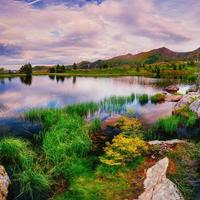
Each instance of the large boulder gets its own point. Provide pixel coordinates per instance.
(195, 107)
(172, 88)
(186, 100)
(157, 186)
(4, 183)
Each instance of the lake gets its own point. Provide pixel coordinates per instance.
(20, 94)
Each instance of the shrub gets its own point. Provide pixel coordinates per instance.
(157, 98)
(130, 126)
(143, 99)
(123, 150)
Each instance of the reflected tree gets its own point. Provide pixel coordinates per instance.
(27, 80)
(52, 77)
(74, 80)
(60, 78)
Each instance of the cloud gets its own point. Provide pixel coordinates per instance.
(65, 31)
(9, 50)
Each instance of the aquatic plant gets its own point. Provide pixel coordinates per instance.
(123, 150)
(48, 117)
(157, 98)
(143, 99)
(167, 126)
(82, 109)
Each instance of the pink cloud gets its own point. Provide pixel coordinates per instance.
(58, 33)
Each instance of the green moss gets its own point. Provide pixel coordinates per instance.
(157, 98)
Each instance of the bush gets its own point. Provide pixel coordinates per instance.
(130, 126)
(143, 99)
(123, 150)
(157, 98)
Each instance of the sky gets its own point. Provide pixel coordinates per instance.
(46, 32)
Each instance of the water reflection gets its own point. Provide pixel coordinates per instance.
(20, 94)
(27, 80)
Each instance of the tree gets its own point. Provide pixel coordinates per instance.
(52, 70)
(60, 68)
(26, 69)
(74, 66)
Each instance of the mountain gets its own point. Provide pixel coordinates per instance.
(156, 55)
(159, 55)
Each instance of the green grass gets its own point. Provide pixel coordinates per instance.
(20, 160)
(82, 109)
(185, 172)
(95, 125)
(143, 99)
(17, 153)
(32, 181)
(67, 138)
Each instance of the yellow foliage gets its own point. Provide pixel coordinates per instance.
(130, 126)
(123, 150)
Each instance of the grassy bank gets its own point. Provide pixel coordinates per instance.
(60, 163)
(118, 71)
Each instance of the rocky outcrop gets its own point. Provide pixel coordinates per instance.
(195, 107)
(4, 183)
(157, 186)
(193, 88)
(173, 98)
(187, 100)
(167, 142)
(172, 88)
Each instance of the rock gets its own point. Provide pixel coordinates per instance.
(187, 100)
(172, 88)
(193, 88)
(195, 107)
(4, 183)
(173, 98)
(157, 186)
(167, 142)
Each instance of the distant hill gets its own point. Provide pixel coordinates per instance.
(159, 55)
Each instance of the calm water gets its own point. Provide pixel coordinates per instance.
(20, 94)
